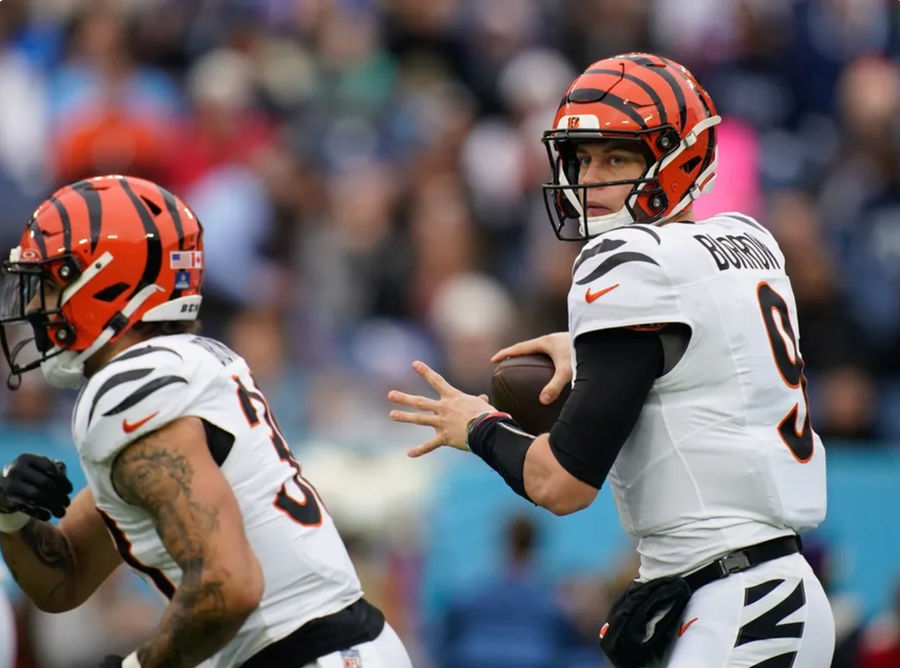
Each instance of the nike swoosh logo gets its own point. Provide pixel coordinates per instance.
(686, 626)
(129, 427)
(592, 296)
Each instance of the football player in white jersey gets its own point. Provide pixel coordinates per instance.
(7, 626)
(190, 481)
(688, 391)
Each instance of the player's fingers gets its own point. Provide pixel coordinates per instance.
(434, 379)
(424, 419)
(424, 448)
(521, 348)
(412, 400)
(554, 388)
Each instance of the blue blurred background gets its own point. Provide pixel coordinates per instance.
(368, 175)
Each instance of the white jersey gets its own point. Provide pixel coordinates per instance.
(306, 568)
(7, 626)
(722, 455)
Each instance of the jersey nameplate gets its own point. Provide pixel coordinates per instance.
(738, 251)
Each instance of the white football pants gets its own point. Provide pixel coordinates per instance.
(7, 633)
(774, 615)
(386, 651)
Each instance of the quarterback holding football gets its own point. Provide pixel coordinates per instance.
(687, 385)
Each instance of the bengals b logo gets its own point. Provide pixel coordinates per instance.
(574, 122)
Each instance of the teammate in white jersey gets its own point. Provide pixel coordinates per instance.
(190, 481)
(688, 391)
(7, 626)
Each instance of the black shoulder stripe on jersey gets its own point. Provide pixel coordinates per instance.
(95, 209)
(614, 261)
(77, 403)
(756, 592)
(603, 247)
(113, 381)
(66, 223)
(747, 220)
(154, 245)
(146, 350)
(642, 227)
(652, 94)
(771, 623)
(785, 660)
(218, 441)
(143, 392)
(645, 230)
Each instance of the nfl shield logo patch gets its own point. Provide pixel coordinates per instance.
(351, 658)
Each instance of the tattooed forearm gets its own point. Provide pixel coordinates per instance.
(49, 546)
(40, 560)
(196, 624)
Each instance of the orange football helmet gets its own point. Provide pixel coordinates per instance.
(644, 98)
(120, 250)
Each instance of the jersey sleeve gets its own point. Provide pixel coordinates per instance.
(131, 397)
(619, 280)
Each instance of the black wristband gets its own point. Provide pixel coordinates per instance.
(501, 443)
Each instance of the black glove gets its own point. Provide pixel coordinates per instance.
(111, 661)
(35, 485)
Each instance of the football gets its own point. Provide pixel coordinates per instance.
(516, 385)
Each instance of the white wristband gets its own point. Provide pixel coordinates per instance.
(131, 661)
(12, 522)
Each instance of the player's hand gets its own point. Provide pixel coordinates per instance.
(558, 347)
(36, 486)
(111, 661)
(448, 415)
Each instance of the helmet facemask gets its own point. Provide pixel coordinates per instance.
(566, 199)
(24, 303)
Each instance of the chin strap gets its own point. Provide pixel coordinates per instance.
(704, 183)
(63, 372)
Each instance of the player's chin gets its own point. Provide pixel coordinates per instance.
(594, 211)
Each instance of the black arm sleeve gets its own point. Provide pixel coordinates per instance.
(616, 369)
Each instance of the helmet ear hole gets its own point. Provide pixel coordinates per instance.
(667, 140)
(658, 202)
(63, 335)
(68, 270)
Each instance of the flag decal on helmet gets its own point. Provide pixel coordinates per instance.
(186, 260)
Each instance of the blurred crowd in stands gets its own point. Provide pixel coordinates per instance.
(368, 173)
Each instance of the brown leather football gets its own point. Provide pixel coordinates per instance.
(515, 387)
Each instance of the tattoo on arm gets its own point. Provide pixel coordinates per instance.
(42, 563)
(197, 621)
(49, 546)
